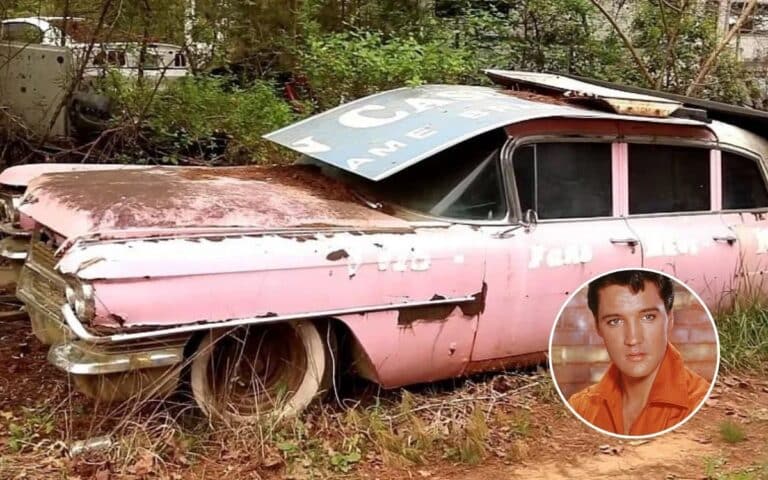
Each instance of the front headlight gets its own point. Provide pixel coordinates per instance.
(80, 297)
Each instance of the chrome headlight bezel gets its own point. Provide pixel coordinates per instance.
(80, 297)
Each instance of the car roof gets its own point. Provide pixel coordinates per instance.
(747, 118)
(380, 135)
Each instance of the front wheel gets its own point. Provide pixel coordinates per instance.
(248, 373)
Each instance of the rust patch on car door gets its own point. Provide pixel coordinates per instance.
(432, 313)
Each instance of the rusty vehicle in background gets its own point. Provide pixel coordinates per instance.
(433, 232)
(110, 50)
(57, 49)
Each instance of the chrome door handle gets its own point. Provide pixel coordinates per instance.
(729, 239)
(627, 241)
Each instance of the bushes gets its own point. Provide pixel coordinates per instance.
(368, 48)
(743, 334)
(344, 66)
(202, 117)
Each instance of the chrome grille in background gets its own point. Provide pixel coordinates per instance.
(40, 287)
(8, 212)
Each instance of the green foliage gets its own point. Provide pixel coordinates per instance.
(469, 445)
(695, 35)
(201, 116)
(743, 333)
(29, 429)
(350, 49)
(732, 432)
(344, 66)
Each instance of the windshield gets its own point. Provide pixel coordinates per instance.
(463, 182)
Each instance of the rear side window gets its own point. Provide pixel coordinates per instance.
(666, 179)
(743, 184)
(564, 180)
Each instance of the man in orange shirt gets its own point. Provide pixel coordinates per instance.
(647, 388)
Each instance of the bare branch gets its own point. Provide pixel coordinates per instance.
(669, 55)
(638, 61)
(81, 70)
(711, 61)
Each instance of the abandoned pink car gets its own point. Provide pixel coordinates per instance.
(431, 232)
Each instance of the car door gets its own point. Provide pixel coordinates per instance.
(745, 213)
(673, 208)
(572, 187)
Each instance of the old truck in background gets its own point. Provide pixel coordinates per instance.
(42, 56)
(434, 232)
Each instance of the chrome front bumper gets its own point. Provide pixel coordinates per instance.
(80, 358)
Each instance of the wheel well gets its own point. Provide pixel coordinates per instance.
(351, 358)
(348, 354)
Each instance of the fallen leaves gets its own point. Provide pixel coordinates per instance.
(144, 463)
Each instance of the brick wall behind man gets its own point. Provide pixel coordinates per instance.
(579, 358)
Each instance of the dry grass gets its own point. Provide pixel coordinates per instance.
(166, 439)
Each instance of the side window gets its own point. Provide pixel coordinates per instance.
(665, 179)
(21, 32)
(743, 184)
(564, 180)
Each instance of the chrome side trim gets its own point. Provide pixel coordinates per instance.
(81, 332)
(74, 359)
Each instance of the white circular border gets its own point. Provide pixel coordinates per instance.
(616, 435)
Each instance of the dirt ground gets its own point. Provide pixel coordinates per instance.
(526, 433)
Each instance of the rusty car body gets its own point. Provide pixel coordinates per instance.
(433, 232)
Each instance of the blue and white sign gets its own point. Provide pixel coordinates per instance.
(380, 135)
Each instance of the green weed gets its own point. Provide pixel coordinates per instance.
(732, 432)
(744, 336)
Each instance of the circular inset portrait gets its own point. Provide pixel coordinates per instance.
(634, 353)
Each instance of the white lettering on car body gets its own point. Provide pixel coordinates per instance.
(669, 247)
(762, 240)
(404, 259)
(572, 254)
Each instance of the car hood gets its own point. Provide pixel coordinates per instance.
(160, 201)
(21, 175)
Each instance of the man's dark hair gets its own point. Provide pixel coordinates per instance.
(635, 280)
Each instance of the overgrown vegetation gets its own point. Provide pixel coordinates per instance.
(336, 51)
(407, 429)
(743, 333)
(206, 118)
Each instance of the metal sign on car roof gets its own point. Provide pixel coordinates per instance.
(380, 135)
